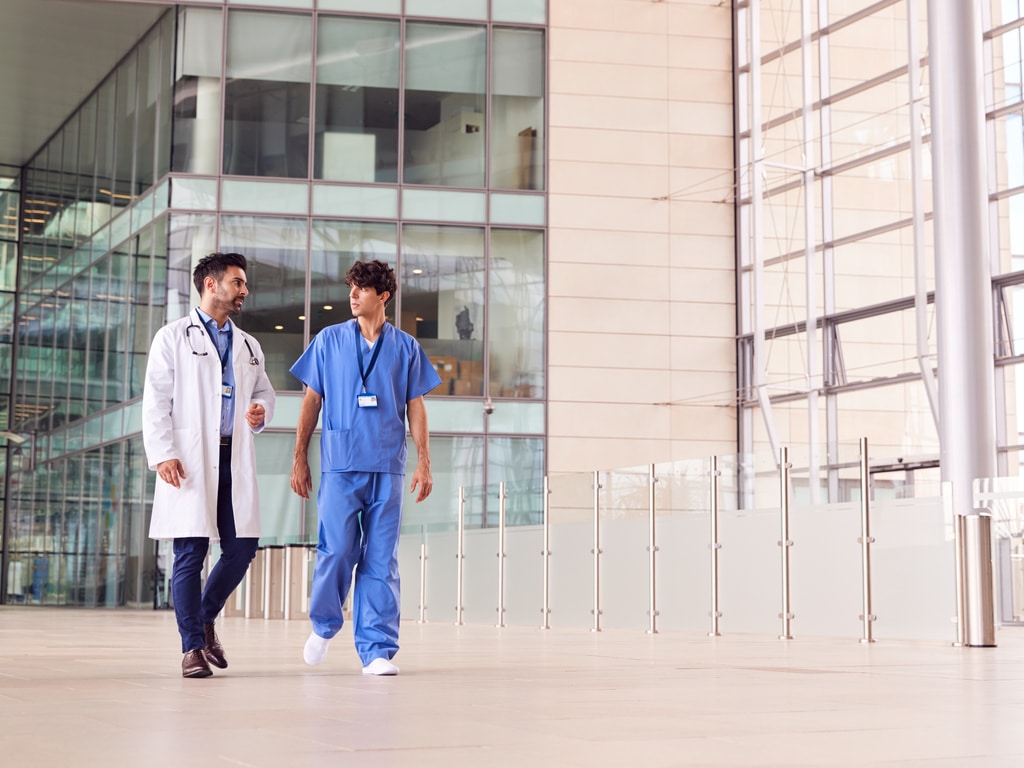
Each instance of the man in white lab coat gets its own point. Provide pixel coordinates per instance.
(206, 394)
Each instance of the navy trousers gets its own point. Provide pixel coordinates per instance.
(195, 606)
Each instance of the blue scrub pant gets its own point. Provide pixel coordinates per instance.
(360, 521)
(193, 605)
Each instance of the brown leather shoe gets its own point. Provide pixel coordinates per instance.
(214, 650)
(194, 665)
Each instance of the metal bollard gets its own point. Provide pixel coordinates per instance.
(274, 582)
(254, 587)
(296, 566)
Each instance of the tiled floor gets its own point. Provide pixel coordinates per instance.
(103, 688)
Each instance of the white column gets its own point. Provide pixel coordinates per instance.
(963, 290)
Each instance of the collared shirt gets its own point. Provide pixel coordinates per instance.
(222, 338)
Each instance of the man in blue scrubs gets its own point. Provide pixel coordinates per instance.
(365, 374)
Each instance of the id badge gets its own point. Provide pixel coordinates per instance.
(367, 400)
(225, 390)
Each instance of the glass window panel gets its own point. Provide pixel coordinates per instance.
(441, 302)
(357, 77)
(194, 193)
(336, 246)
(454, 462)
(518, 209)
(264, 197)
(516, 314)
(357, 202)
(276, 252)
(873, 195)
(452, 9)
(869, 47)
(150, 82)
(266, 102)
(124, 188)
(882, 346)
(525, 11)
(191, 237)
(517, 109)
(519, 463)
(105, 106)
(448, 415)
(165, 95)
(120, 324)
(197, 91)
(278, 3)
(373, 6)
(876, 269)
(516, 417)
(445, 71)
(444, 206)
(898, 420)
(96, 337)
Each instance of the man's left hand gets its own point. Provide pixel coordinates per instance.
(255, 415)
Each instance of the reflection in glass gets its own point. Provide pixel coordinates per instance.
(357, 100)
(517, 109)
(442, 301)
(454, 462)
(276, 252)
(337, 245)
(191, 237)
(445, 80)
(266, 100)
(197, 91)
(516, 313)
(519, 463)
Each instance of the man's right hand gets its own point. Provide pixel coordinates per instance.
(171, 471)
(301, 480)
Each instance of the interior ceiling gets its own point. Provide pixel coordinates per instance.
(53, 53)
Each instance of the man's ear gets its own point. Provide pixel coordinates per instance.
(384, 297)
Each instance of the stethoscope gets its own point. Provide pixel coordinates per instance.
(202, 329)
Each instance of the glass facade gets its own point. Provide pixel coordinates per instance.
(835, 260)
(306, 140)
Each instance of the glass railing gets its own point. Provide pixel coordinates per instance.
(698, 546)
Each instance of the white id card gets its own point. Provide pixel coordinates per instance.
(367, 400)
(225, 390)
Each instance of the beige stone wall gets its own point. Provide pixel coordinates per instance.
(641, 253)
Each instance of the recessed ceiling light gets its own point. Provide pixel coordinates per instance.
(328, 307)
(302, 317)
(417, 271)
(278, 327)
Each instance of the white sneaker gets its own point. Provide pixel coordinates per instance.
(315, 650)
(380, 666)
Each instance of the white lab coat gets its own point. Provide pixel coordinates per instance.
(181, 405)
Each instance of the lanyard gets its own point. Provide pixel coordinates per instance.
(359, 352)
(227, 350)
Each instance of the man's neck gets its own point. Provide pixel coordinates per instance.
(370, 326)
(219, 317)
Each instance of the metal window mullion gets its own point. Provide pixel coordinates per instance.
(917, 214)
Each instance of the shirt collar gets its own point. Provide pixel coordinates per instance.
(207, 320)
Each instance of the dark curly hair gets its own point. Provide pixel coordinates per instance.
(373, 274)
(215, 265)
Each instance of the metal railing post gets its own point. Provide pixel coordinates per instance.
(423, 582)
(785, 543)
(715, 546)
(866, 540)
(653, 550)
(545, 610)
(501, 554)
(458, 553)
(597, 552)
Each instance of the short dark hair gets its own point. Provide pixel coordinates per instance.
(373, 274)
(215, 265)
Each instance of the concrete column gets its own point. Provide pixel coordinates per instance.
(963, 289)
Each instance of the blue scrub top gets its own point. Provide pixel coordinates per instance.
(355, 439)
